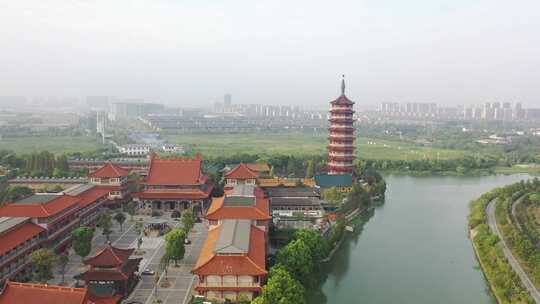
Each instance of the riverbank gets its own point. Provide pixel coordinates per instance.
(417, 238)
(503, 281)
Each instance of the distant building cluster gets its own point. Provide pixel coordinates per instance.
(490, 111)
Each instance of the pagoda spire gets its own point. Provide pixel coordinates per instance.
(342, 84)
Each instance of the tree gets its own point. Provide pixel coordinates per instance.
(120, 218)
(281, 288)
(164, 263)
(296, 258)
(43, 261)
(63, 260)
(130, 209)
(317, 245)
(105, 223)
(188, 220)
(82, 241)
(309, 169)
(16, 193)
(174, 244)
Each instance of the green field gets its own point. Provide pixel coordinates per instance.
(54, 144)
(302, 144)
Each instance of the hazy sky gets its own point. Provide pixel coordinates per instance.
(190, 52)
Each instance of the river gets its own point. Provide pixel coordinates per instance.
(413, 248)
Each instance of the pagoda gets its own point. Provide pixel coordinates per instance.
(111, 273)
(341, 135)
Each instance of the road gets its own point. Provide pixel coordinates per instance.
(508, 254)
(180, 278)
(122, 238)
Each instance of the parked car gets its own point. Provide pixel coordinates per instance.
(187, 241)
(148, 271)
(133, 302)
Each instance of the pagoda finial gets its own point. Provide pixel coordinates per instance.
(342, 84)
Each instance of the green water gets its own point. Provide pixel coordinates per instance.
(414, 248)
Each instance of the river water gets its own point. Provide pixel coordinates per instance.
(413, 248)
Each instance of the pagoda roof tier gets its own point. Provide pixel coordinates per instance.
(334, 148)
(342, 100)
(241, 171)
(175, 171)
(341, 128)
(339, 140)
(341, 120)
(109, 170)
(111, 274)
(174, 194)
(110, 256)
(341, 111)
(341, 158)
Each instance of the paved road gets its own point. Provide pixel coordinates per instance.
(180, 278)
(122, 239)
(508, 254)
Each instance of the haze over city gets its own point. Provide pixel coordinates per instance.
(189, 53)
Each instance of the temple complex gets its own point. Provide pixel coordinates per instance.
(174, 184)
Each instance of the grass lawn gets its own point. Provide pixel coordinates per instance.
(303, 143)
(517, 169)
(54, 144)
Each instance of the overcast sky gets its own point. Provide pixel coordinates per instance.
(190, 52)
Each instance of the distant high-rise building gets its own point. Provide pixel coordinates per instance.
(227, 100)
(341, 145)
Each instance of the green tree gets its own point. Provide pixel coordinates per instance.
(63, 261)
(297, 258)
(131, 210)
(16, 193)
(120, 218)
(82, 241)
(281, 288)
(309, 169)
(43, 261)
(174, 244)
(188, 220)
(316, 243)
(105, 223)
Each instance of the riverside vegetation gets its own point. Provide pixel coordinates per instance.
(504, 282)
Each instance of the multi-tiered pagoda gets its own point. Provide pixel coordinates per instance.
(341, 146)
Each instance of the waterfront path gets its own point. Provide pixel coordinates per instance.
(490, 210)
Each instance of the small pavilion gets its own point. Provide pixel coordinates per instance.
(111, 273)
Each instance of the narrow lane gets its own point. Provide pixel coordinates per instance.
(508, 254)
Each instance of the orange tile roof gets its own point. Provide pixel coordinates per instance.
(252, 263)
(109, 256)
(173, 194)
(259, 211)
(92, 195)
(19, 235)
(39, 210)
(259, 167)
(174, 171)
(110, 170)
(23, 293)
(241, 171)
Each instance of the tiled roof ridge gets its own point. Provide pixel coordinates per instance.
(255, 264)
(45, 287)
